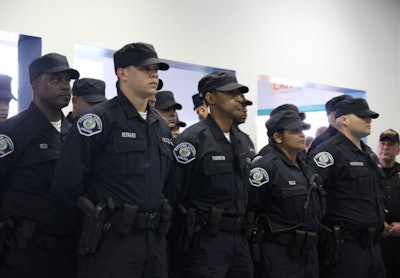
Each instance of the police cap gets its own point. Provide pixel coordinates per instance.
(223, 81)
(356, 106)
(90, 90)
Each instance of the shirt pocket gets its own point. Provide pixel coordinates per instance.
(220, 174)
(361, 181)
(132, 156)
(166, 160)
(292, 201)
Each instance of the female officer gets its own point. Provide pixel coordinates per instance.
(287, 200)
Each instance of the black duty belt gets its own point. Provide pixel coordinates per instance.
(142, 220)
(52, 242)
(232, 224)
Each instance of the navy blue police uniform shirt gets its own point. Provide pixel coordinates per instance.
(245, 138)
(209, 170)
(112, 152)
(281, 190)
(353, 179)
(29, 149)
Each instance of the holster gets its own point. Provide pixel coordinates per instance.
(331, 243)
(93, 225)
(255, 239)
(187, 229)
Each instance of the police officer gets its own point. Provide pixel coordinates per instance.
(330, 107)
(5, 96)
(199, 106)
(353, 179)
(283, 107)
(388, 149)
(118, 156)
(166, 107)
(241, 120)
(31, 143)
(288, 202)
(86, 92)
(209, 187)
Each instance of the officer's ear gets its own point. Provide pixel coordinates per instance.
(122, 73)
(277, 137)
(210, 98)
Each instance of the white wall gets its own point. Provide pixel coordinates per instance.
(344, 43)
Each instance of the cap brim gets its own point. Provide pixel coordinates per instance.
(233, 86)
(181, 124)
(6, 95)
(389, 137)
(73, 74)
(247, 102)
(168, 104)
(367, 113)
(93, 98)
(162, 65)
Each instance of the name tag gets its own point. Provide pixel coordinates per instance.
(292, 182)
(43, 146)
(217, 157)
(125, 134)
(356, 163)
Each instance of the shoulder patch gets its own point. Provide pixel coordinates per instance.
(6, 145)
(184, 153)
(324, 159)
(258, 177)
(89, 125)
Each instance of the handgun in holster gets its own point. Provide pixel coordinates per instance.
(256, 238)
(93, 225)
(333, 245)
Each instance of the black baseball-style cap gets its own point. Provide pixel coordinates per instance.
(5, 87)
(138, 54)
(390, 134)
(288, 107)
(223, 81)
(285, 120)
(165, 99)
(246, 102)
(330, 105)
(51, 63)
(197, 101)
(356, 106)
(90, 90)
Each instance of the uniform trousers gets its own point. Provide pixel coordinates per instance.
(278, 263)
(38, 262)
(356, 262)
(219, 255)
(390, 248)
(142, 253)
